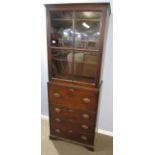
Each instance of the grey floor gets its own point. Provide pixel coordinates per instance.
(103, 144)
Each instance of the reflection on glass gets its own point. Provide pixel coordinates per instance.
(62, 35)
(62, 32)
(87, 34)
(61, 69)
(65, 55)
(62, 64)
(85, 66)
(88, 15)
(61, 15)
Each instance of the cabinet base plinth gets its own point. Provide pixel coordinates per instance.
(53, 138)
(89, 147)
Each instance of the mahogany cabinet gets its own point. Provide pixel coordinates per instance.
(75, 41)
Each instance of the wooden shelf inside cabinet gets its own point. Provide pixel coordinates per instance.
(63, 19)
(75, 49)
(91, 20)
(75, 34)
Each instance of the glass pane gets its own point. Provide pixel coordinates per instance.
(65, 55)
(62, 64)
(61, 15)
(87, 37)
(85, 65)
(62, 31)
(87, 28)
(88, 15)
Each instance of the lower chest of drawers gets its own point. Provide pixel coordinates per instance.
(76, 123)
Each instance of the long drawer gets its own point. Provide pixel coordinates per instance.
(73, 97)
(72, 134)
(72, 115)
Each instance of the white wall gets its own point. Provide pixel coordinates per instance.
(105, 111)
(105, 116)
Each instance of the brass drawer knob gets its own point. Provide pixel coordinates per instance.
(70, 110)
(70, 131)
(86, 100)
(85, 116)
(83, 137)
(57, 120)
(84, 126)
(57, 95)
(57, 110)
(71, 89)
(70, 120)
(57, 130)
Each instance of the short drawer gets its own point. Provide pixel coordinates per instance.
(80, 127)
(72, 134)
(72, 115)
(73, 97)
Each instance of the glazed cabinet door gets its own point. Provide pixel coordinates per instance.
(74, 38)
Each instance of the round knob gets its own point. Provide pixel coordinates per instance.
(70, 110)
(86, 100)
(71, 89)
(85, 116)
(57, 95)
(70, 131)
(57, 109)
(57, 130)
(84, 126)
(57, 120)
(70, 120)
(83, 137)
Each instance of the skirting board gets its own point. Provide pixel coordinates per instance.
(44, 117)
(104, 132)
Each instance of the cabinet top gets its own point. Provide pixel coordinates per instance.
(79, 6)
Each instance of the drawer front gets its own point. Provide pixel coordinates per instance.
(73, 97)
(72, 134)
(80, 127)
(72, 115)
